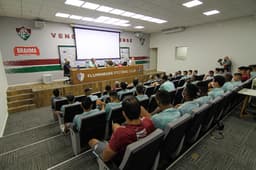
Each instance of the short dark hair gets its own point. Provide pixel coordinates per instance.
(228, 76)
(123, 85)
(165, 77)
(107, 88)
(56, 92)
(211, 72)
(237, 74)
(87, 103)
(163, 97)
(70, 98)
(135, 82)
(131, 107)
(140, 88)
(203, 87)
(113, 94)
(192, 90)
(87, 90)
(219, 79)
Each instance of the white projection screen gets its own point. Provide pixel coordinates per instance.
(98, 44)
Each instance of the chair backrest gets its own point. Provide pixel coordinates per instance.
(156, 89)
(176, 83)
(71, 111)
(59, 103)
(92, 126)
(79, 98)
(142, 153)
(200, 77)
(122, 96)
(98, 93)
(178, 96)
(174, 137)
(152, 104)
(181, 82)
(144, 103)
(149, 90)
(172, 94)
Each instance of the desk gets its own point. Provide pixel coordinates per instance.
(248, 93)
(87, 75)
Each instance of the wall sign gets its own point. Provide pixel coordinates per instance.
(23, 32)
(26, 50)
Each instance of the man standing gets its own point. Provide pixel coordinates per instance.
(226, 64)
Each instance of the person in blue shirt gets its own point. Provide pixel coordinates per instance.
(87, 107)
(135, 82)
(166, 112)
(140, 93)
(106, 93)
(228, 85)
(189, 93)
(237, 79)
(217, 82)
(124, 89)
(167, 85)
(87, 93)
(253, 71)
(56, 96)
(203, 96)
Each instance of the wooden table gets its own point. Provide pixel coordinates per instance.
(87, 75)
(248, 93)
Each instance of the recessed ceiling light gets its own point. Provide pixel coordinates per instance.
(212, 12)
(128, 14)
(63, 15)
(117, 11)
(104, 9)
(87, 19)
(137, 16)
(76, 17)
(74, 2)
(90, 5)
(192, 3)
(139, 27)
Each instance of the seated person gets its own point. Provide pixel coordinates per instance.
(190, 73)
(114, 102)
(87, 107)
(167, 85)
(244, 72)
(203, 96)
(209, 76)
(87, 93)
(124, 89)
(56, 96)
(117, 85)
(106, 93)
(140, 92)
(217, 83)
(189, 93)
(195, 72)
(132, 130)
(166, 113)
(135, 82)
(185, 75)
(237, 79)
(253, 70)
(228, 85)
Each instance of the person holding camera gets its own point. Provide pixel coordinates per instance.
(226, 63)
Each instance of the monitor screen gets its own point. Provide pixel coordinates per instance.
(97, 44)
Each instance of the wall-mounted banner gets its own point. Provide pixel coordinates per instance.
(26, 50)
(23, 32)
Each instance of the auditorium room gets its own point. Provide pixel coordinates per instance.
(127, 85)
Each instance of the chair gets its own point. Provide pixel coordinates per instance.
(116, 116)
(156, 89)
(79, 98)
(71, 111)
(141, 155)
(181, 82)
(178, 96)
(172, 94)
(98, 93)
(200, 77)
(152, 104)
(122, 96)
(176, 83)
(174, 138)
(144, 103)
(59, 103)
(149, 90)
(92, 126)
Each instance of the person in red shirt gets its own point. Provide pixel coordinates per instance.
(132, 130)
(245, 73)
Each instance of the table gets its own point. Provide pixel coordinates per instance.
(248, 93)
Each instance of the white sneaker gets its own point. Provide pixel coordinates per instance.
(62, 128)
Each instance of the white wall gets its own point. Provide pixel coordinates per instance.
(3, 101)
(48, 45)
(208, 43)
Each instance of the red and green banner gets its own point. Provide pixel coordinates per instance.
(141, 59)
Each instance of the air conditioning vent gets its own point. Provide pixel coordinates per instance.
(173, 30)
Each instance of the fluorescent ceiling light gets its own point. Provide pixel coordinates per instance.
(104, 9)
(117, 11)
(137, 16)
(158, 21)
(90, 5)
(123, 21)
(102, 19)
(212, 12)
(146, 18)
(63, 15)
(192, 3)
(128, 14)
(74, 2)
(125, 25)
(87, 19)
(76, 17)
(139, 27)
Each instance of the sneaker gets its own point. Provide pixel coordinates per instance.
(62, 128)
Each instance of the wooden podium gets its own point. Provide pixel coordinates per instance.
(87, 75)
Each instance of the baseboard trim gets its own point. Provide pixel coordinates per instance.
(4, 124)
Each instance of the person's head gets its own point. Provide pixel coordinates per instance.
(185, 73)
(117, 84)
(140, 89)
(135, 82)
(218, 81)
(202, 87)
(87, 91)
(123, 85)
(131, 108)
(226, 58)
(165, 78)
(87, 104)
(190, 72)
(113, 96)
(70, 98)
(195, 72)
(56, 92)
(253, 67)
(108, 88)
(170, 75)
(237, 77)
(228, 77)
(163, 98)
(190, 92)
(179, 72)
(242, 69)
(211, 73)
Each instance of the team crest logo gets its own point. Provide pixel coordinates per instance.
(23, 32)
(80, 77)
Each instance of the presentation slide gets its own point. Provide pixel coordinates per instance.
(96, 44)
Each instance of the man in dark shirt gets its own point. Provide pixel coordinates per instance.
(132, 130)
